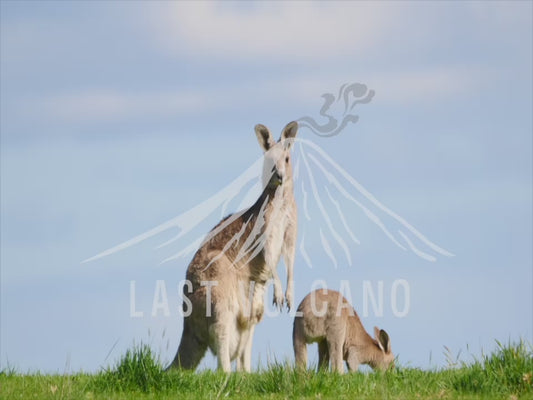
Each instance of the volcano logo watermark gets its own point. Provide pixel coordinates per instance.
(343, 104)
(329, 198)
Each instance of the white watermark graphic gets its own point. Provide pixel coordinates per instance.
(322, 185)
(264, 224)
(374, 299)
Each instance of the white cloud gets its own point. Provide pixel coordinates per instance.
(406, 87)
(274, 29)
(353, 35)
(432, 84)
(265, 32)
(105, 105)
(101, 105)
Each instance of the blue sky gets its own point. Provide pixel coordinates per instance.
(118, 116)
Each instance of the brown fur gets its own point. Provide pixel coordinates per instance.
(339, 333)
(237, 299)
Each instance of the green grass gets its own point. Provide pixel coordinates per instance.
(507, 373)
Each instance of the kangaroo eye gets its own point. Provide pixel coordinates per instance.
(286, 159)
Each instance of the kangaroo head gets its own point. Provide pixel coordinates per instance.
(387, 359)
(277, 168)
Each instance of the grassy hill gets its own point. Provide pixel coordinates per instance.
(505, 374)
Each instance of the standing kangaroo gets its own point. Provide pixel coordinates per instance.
(230, 270)
(326, 317)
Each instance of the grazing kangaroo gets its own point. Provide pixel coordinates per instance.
(230, 270)
(328, 318)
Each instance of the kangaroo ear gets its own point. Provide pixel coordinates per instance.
(377, 336)
(290, 131)
(266, 141)
(384, 341)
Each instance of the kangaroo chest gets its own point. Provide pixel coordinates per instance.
(275, 233)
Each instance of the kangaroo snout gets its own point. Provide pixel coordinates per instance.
(278, 178)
